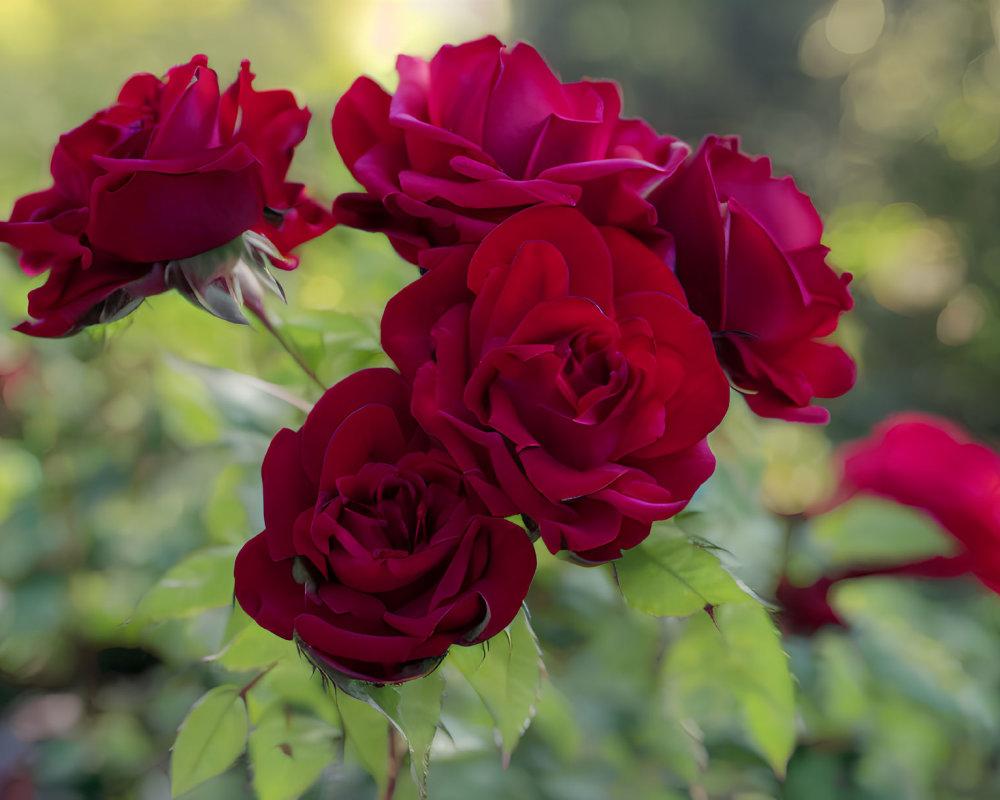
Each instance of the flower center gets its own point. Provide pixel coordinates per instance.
(593, 368)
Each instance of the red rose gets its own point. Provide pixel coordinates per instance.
(930, 464)
(481, 131)
(376, 556)
(563, 371)
(749, 257)
(174, 169)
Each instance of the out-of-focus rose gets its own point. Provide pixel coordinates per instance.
(564, 373)
(927, 463)
(172, 170)
(749, 257)
(376, 556)
(933, 465)
(481, 131)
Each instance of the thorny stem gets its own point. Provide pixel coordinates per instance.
(259, 312)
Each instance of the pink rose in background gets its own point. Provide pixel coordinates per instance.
(749, 257)
(170, 171)
(564, 373)
(930, 464)
(481, 131)
(376, 556)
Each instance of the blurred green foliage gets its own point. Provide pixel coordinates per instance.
(130, 456)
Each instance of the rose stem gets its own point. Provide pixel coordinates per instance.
(251, 684)
(395, 762)
(259, 312)
(933, 567)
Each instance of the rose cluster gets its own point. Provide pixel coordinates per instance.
(589, 290)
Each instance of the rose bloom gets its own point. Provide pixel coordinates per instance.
(376, 555)
(564, 373)
(933, 465)
(749, 257)
(481, 131)
(170, 171)
(930, 464)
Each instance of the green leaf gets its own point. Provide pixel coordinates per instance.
(225, 517)
(506, 673)
(874, 530)
(336, 342)
(201, 581)
(367, 736)
(288, 752)
(738, 651)
(211, 738)
(414, 709)
(253, 647)
(292, 683)
(669, 576)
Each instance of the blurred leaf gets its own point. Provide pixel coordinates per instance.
(908, 749)
(506, 673)
(225, 516)
(210, 739)
(201, 581)
(556, 723)
(336, 342)
(186, 407)
(738, 650)
(244, 401)
(843, 682)
(903, 656)
(668, 575)
(874, 530)
(20, 473)
(287, 753)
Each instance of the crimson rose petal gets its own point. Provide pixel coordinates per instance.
(562, 370)
(481, 131)
(749, 257)
(377, 554)
(174, 169)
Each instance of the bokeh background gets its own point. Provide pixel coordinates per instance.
(122, 450)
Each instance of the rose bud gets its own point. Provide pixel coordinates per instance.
(176, 185)
(376, 556)
(481, 131)
(564, 373)
(749, 257)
